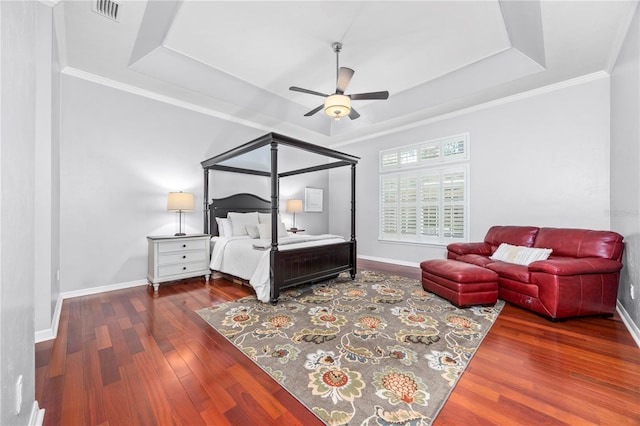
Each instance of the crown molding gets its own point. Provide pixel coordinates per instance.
(623, 30)
(479, 107)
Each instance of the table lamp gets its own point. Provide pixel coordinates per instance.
(294, 206)
(180, 202)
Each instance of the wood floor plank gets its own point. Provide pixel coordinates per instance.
(266, 400)
(74, 327)
(209, 377)
(142, 410)
(116, 405)
(59, 349)
(109, 370)
(93, 397)
(156, 396)
(102, 337)
(184, 410)
(248, 410)
(140, 357)
(132, 340)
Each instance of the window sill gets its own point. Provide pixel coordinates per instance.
(417, 243)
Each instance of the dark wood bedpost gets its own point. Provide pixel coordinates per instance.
(275, 286)
(205, 201)
(353, 221)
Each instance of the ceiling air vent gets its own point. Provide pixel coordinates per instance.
(107, 8)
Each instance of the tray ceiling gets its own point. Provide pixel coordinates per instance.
(236, 60)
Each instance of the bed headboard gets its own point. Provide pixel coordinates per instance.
(241, 203)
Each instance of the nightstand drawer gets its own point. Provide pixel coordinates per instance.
(184, 245)
(184, 268)
(184, 257)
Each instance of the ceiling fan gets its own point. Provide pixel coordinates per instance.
(338, 105)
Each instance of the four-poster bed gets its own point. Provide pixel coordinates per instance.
(296, 265)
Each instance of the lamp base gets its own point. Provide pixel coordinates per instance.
(179, 234)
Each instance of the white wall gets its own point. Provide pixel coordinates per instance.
(625, 160)
(17, 142)
(541, 160)
(120, 154)
(47, 182)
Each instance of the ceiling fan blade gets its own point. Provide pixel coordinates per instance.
(344, 77)
(313, 111)
(353, 114)
(310, 92)
(371, 95)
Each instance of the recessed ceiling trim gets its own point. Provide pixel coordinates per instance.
(475, 108)
(231, 115)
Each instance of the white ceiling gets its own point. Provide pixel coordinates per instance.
(237, 59)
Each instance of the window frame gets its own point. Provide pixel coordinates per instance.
(420, 167)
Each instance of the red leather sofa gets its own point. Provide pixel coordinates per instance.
(579, 278)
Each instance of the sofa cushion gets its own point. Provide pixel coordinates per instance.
(511, 270)
(460, 249)
(514, 235)
(573, 266)
(475, 259)
(581, 243)
(459, 272)
(520, 255)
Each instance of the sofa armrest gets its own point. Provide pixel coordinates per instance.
(576, 266)
(461, 249)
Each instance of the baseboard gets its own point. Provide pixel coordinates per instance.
(391, 261)
(628, 322)
(51, 333)
(37, 415)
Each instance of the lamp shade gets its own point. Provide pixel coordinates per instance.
(180, 202)
(294, 206)
(337, 106)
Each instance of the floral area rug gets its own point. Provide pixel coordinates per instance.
(378, 350)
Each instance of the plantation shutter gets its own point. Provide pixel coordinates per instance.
(389, 160)
(430, 194)
(453, 188)
(408, 205)
(423, 199)
(389, 207)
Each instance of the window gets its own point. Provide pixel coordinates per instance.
(423, 198)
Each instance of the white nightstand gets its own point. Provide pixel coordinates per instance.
(174, 258)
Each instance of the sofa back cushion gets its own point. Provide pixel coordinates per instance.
(581, 243)
(514, 235)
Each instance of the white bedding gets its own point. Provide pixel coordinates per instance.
(237, 256)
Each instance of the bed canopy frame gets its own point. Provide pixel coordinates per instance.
(295, 266)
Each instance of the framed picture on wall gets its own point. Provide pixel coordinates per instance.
(312, 200)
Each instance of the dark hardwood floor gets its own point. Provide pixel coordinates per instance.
(131, 357)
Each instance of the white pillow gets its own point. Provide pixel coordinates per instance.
(252, 230)
(520, 255)
(282, 230)
(264, 229)
(240, 220)
(224, 227)
(264, 217)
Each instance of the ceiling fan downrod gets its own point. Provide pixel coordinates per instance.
(337, 47)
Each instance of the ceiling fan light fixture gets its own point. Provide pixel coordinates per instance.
(337, 106)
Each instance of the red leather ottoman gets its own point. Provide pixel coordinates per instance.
(463, 284)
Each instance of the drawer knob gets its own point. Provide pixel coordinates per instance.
(184, 268)
(184, 257)
(184, 245)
